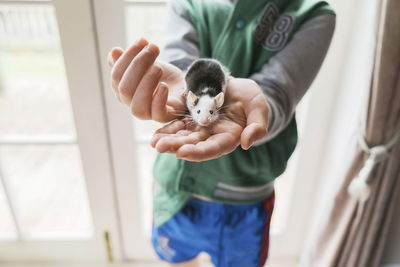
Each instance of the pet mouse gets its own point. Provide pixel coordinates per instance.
(206, 82)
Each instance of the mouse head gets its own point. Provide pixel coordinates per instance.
(204, 108)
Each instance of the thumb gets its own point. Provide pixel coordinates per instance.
(256, 127)
(160, 110)
(114, 55)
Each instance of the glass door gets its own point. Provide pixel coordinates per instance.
(56, 181)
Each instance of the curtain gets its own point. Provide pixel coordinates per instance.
(354, 232)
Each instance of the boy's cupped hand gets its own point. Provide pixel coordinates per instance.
(153, 90)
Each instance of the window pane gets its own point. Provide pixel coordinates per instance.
(146, 20)
(46, 183)
(34, 96)
(48, 190)
(7, 227)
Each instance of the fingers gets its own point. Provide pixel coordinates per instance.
(174, 135)
(224, 139)
(168, 129)
(124, 60)
(257, 123)
(135, 77)
(114, 55)
(251, 134)
(135, 72)
(200, 143)
(142, 99)
(159, 104)
(159, 110)
(211, 148)
(171, 143)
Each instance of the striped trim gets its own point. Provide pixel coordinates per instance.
(239, 196)
(249, 189)
(243, 193)
(269, 207)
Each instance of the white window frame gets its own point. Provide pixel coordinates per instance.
(79, 47)
(110, 27)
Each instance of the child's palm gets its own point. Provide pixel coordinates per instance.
(243, 121)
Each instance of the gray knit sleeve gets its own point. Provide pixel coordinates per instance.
(181, 39)
(287, 75)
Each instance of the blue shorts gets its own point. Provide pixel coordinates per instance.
(233, 235)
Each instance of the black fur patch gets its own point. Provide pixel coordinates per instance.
(204, 73)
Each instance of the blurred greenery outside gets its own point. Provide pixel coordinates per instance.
(32, 63)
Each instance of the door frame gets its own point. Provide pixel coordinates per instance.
(111, 32)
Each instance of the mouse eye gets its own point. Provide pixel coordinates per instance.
(198, 111)
(211, 112)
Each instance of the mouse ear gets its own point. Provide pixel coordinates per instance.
(191, 99)
(219, 100)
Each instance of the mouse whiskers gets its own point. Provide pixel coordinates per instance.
(181, 114)
(224, 107)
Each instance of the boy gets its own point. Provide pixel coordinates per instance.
(212, 195)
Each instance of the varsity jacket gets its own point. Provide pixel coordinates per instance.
(280, 44)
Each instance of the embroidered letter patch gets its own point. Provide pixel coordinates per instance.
(272, 29)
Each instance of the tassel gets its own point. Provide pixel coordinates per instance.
(359, 186)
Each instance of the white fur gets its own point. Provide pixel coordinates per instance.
(205, 90)
(205, 104)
